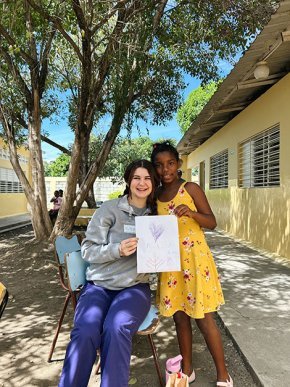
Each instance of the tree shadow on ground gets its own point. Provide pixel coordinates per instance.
(29, 321)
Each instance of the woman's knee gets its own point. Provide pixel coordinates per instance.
(119, 328)
(86, 335)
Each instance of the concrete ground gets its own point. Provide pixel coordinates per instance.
(257, 310)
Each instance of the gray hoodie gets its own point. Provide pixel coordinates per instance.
(113, 222)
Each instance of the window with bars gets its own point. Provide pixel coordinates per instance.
(259, 160)
(218, 172)
(9, 182)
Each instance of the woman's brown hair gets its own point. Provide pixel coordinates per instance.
(128, 176)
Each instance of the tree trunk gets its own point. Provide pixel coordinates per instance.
(41, 232)
(64, 223)
(90, 199)
(67, 212)
(40, 220)
(39, 215)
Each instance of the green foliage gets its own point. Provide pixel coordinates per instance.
(146, 64)
(193, 105)
(123, 152)
(58, 167)
(25, 36)
(123, 61)
(115, 194)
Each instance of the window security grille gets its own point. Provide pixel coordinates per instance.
(259, 160)
(9, 182)
(219, 170)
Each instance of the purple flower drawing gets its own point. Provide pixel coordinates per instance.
(156, 230)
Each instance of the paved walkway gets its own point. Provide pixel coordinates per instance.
(257, 310)
(14, 222)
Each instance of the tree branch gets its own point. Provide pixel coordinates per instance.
(80, 15)
(27, 58)
(16, 74)
(115, 9)
(23, 123)
(29, 27)
(58, 25)
(44, 62)
(8, 128)
(55, 145)
(104, 63)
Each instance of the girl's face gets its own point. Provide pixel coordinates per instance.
(166, 167)
(141, 184)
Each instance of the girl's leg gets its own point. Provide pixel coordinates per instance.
(127, 311)
(184, 335)
(91, 311)
(212, 336)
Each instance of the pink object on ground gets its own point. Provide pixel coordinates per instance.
(173, 365)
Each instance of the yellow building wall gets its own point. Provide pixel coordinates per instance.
(13, 203)
(259, 215)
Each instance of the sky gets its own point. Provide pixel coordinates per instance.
(62, 134)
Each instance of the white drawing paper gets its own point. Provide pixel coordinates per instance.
(158, 244)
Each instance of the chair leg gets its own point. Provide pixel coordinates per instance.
(74, 300)
(157, 366)
(98, 366)
(58, 326)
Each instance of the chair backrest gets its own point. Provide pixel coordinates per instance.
(3, 298)
(65, 245)
(76, 270)
(150, 323)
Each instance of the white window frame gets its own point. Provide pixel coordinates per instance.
(219, 170)
(259, 160)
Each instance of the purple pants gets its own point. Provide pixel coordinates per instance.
(106, 320)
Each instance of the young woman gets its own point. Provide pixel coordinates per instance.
(195, 291)
(116, 299)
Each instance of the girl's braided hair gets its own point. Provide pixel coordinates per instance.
(165, 146)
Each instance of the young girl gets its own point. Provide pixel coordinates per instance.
(195, 291)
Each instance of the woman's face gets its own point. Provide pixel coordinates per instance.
(141, 184)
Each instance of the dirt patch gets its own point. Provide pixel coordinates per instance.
(28, 323)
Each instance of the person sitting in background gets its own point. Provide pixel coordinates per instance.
(60, 197)
(56, 200)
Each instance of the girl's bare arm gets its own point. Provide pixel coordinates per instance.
(204, 215)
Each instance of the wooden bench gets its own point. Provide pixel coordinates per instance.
(84, 216)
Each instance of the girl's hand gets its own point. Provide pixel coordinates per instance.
(128, 246)
(183, 210)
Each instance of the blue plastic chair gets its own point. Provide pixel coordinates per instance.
(62, 246)
(76, 270)
(76, 275)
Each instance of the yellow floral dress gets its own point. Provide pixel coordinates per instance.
(195, 289)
